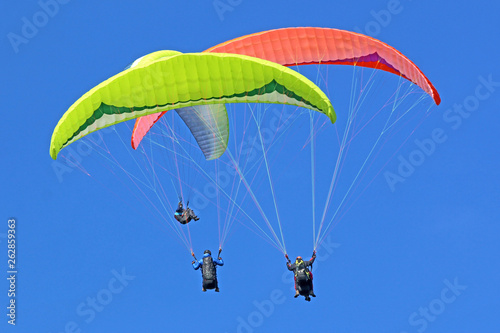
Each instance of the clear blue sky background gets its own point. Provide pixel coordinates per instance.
(389, 258)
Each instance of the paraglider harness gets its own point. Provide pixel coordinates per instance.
(181, 217)
(302, 274)
(208, 269)
(184, 216)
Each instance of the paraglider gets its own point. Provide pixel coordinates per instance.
(302, 276)
(208, 270)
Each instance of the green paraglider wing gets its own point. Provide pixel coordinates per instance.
(185, 80)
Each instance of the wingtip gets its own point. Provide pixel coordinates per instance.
(437, 98)
(332, 115)
(53, 153)
(132, 143)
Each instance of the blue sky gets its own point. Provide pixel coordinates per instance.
(420, 257)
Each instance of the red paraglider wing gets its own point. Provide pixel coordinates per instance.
(304, 46)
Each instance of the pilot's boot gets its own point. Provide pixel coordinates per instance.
(296, 294)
